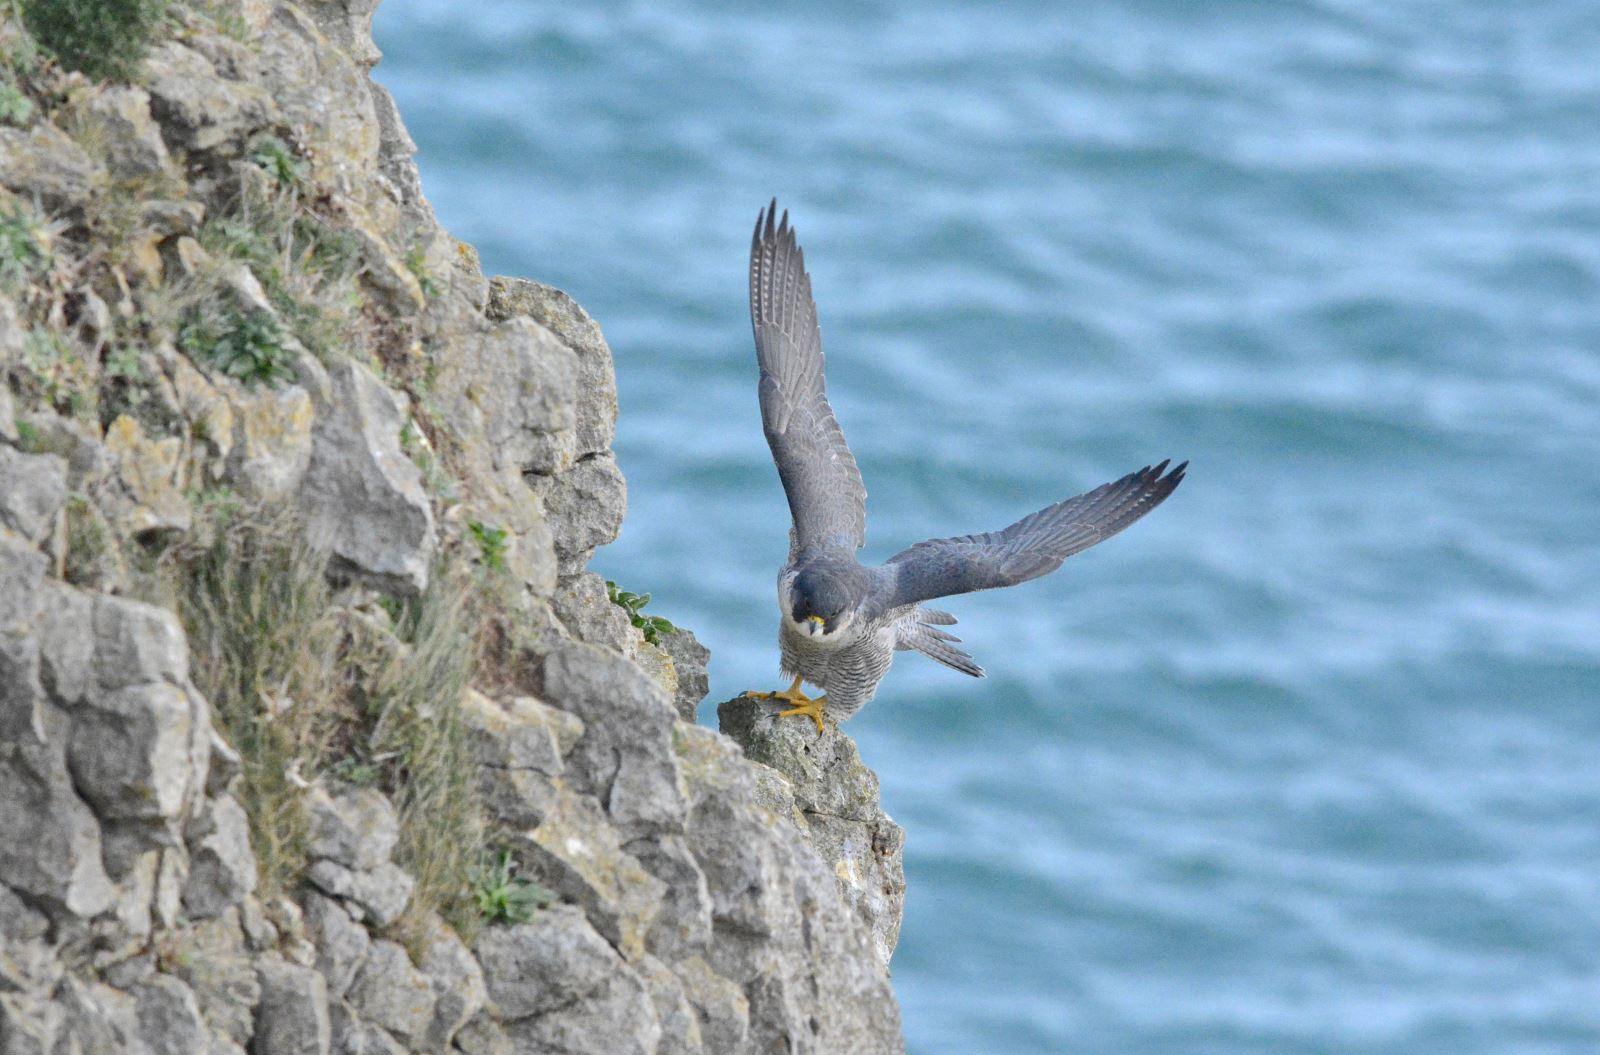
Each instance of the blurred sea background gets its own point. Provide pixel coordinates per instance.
(1307, 761)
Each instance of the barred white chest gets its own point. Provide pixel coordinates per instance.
(848, 673)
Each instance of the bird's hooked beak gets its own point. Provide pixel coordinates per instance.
(815, 625)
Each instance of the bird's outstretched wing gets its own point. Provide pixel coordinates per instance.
(826, 496)
(1033, 546)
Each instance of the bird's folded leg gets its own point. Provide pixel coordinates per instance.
(810, 708)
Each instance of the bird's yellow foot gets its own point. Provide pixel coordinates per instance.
(790, 695)
(810, 708)
(803, 704)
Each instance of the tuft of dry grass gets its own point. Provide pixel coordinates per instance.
(254, 599)
(415, 704)
(309, 690)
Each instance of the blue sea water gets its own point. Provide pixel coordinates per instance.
(1307, 761)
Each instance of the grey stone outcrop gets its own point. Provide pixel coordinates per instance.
(362, 495)
(33, 488)
(764, 879)
(833, 799)
(596, 407)
(120, 114)
(689, 662)
(392, 994)
(292, 1016)
(44, 161)
(353, 827)
(222, 865)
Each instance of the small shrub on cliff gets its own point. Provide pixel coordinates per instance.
(250, 346)
(93, 556)
(502, 896)
(491, 544)
(306, 265)
(417, 264)
(101, 38)
(352, 770)
(307, 689)
(651, 626)
(56, 373)
(15, 108)
(24, 244)
(279, 162)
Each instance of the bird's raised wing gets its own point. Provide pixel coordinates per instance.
(826, 497)
(1033, 546)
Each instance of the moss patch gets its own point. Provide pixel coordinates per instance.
(100, 38)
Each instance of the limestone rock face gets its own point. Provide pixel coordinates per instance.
(586, 505)
(392, 994)
(517, 385)
(267, 434)
(804, 961)
(279, 337)
(147, 496)
(625, 754)
(33, 488)
(292, 1018)
(561, 987)
(457, 982)
(835, 802)
(361, 494)
(222, 865)
(342, 944)
(44, 161)
(356, 827)
(121, 114)
(689, 661)
(561, 316)
(198, 107)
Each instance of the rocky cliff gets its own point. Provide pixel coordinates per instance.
(316, 733)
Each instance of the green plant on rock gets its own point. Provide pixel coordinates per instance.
(100, 38)
(124, 361)
(224, 15)
(279, 161)
(653, 627)
(15, 107)
(417, 264)
(502, 896)
(216, 507)
(306, 265)
(58, 372)
(28, 441)
(352, 770)
(492, 543)
(24, 244)
(248, 345)
(124, 383)
(435, 479)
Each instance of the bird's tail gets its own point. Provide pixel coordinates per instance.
(918, 631)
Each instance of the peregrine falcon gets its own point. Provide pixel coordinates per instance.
(841, 621)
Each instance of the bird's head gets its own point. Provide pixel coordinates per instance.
(822, 603)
